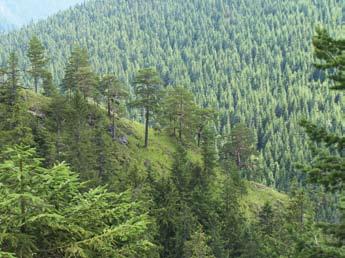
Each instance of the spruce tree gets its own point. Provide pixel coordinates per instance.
(49, 213)
(328, 165)
(14, 116)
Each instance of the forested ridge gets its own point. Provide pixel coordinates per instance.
(156, 129)
(249, 59)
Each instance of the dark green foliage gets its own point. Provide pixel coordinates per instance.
(178, 111)
(328, 165)
(48, 213)
(240, 146)
(197, 246)
(147, 88)
(239, 152)
(113, 90)
(252, 60)
(78, 75)
(13, 112)
(266, 219)
(38, 60)
(202, 118)
(49, 89)
(245, 59)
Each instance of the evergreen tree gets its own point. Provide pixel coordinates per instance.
(86, 81)
(48, 213)
(232, 220)
(239, 148)
(251, 69)
(14, 116)
(178, 111)
(77, 60)
(328, 166)
(147, 87)
(202, 118)
(266, 219)
(49, 89)
(114, 92)
(209, 152)
(197, 246)
(38, 60)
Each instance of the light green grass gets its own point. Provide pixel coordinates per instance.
(257, 195)
(160, 152)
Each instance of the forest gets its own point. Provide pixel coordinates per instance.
(177, 129)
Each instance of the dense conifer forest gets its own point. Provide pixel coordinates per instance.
(252, 60)
(174, 129)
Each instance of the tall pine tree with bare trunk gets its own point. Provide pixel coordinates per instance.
(148, 90)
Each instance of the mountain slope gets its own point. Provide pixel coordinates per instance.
(160, 157)
(249, 59)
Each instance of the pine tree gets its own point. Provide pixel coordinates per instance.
(202, 118)
(147, 87)
(209, 152)
(86, 81)
(114, 92)
(49, 89)
(240, 146)
(77, 60)
(38, 60)
(178, 111)
(232, 219)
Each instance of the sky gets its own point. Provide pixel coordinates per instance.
(21, 12)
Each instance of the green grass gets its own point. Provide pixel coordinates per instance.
(35, 101)
(159, 155)
(257, 195)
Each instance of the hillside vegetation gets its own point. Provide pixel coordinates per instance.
(249, 59)
(160, 155)
(169, 129)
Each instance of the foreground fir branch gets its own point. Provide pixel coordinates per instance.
(49, 213)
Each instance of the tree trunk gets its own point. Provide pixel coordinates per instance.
(147, 117)
(22, 200)
(113, 129)
(58, 138)
(238, 159)
(36, 84)
(109, 112)
(199, 138)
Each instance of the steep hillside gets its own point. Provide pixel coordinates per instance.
(249, 59)
(160, 156)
